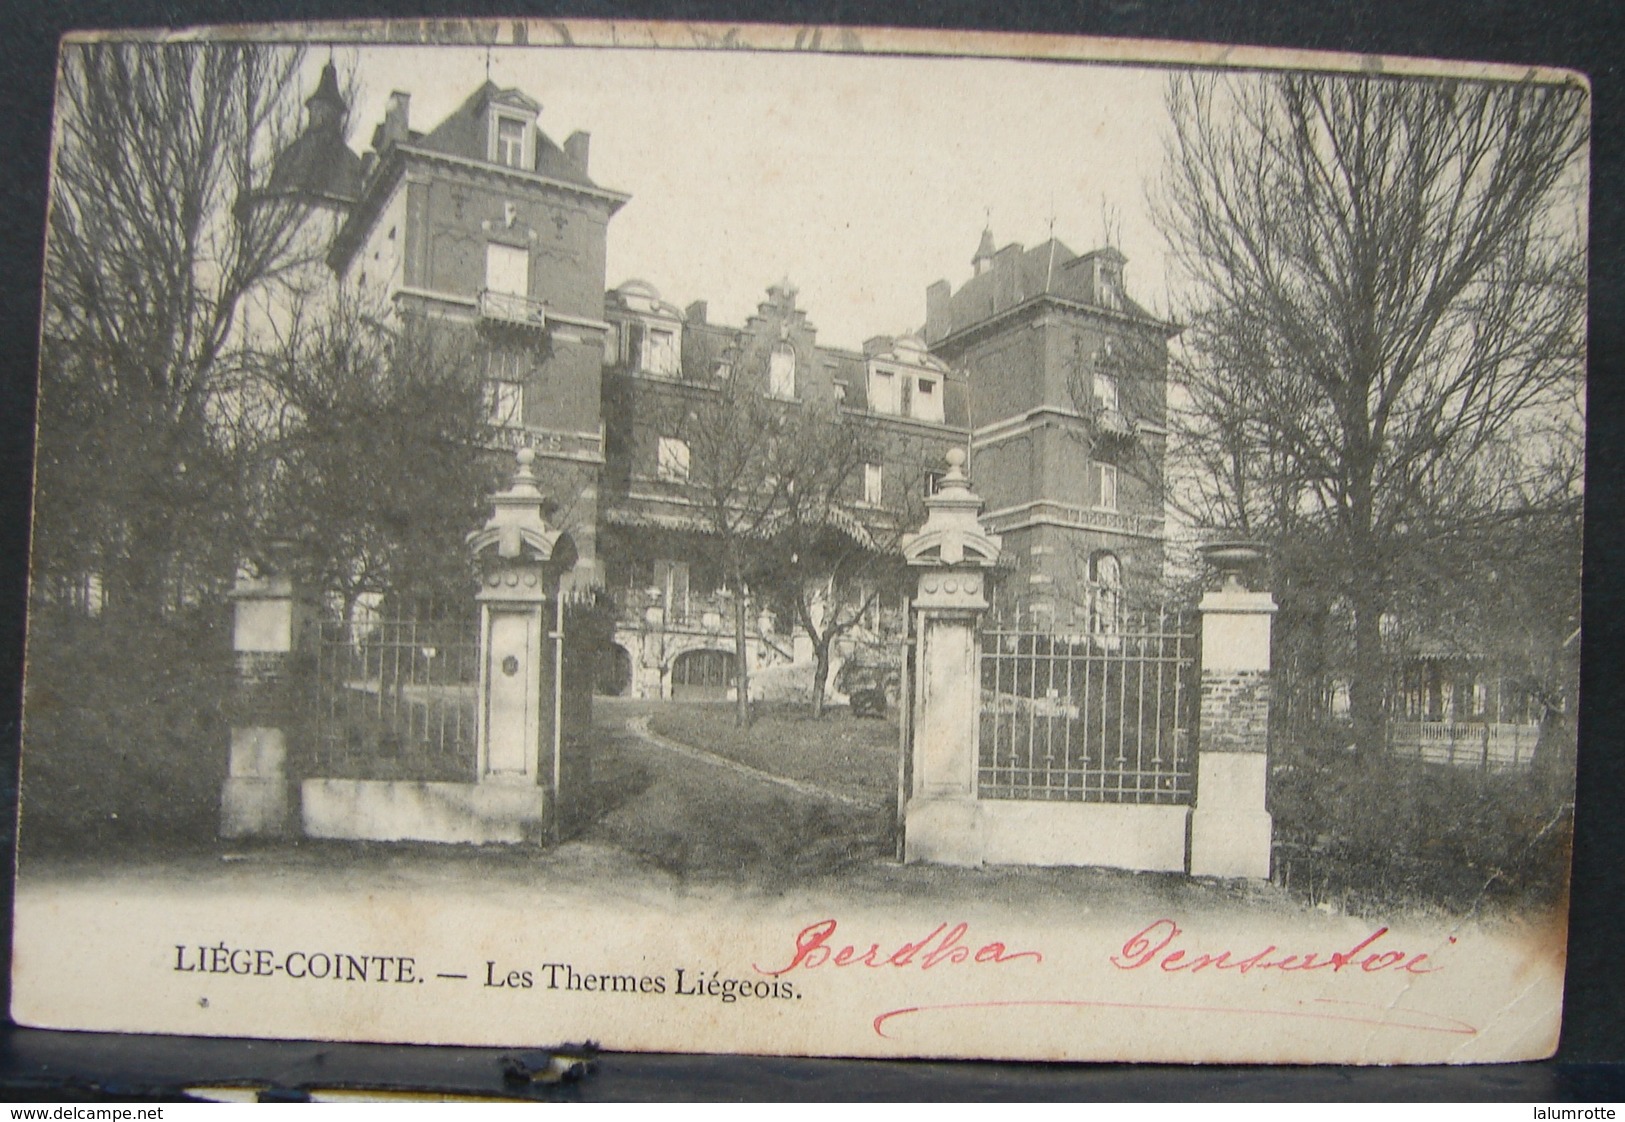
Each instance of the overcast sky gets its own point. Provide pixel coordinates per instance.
(860, 179)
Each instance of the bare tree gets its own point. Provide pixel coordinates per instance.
(153, 246)
(830, 561)
(1387, 294)
(738, 473)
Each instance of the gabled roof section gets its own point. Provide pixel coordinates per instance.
(512, 97)
(463, 133)
(1014, 275)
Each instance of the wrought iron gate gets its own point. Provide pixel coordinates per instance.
(1104, 716)
(394, 699)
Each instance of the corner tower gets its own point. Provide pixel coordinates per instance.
(1068, 408)
(484, 221)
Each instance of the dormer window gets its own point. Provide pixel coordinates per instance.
(928, 399)
(511, 141)
(651, 349)
(662, 357)
(906, 394)
(1110, 285)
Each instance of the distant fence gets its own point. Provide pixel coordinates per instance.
(1489, 745)
(395, 699)
(1106, 716)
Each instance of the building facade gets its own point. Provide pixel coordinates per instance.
(1039, 364)
(1068, 423)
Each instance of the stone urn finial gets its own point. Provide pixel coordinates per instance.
(1231, 557)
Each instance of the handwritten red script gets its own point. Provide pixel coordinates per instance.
(945, 945)
(1156, 944)
(1156, 947)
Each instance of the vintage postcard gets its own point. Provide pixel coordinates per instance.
(805, 541)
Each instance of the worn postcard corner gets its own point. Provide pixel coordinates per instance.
(805, 541)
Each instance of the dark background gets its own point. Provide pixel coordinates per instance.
(1585, 36)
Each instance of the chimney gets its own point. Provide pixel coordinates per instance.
(575, 148)
(1006, 268)
(938, 311)
(695, 312)
(397, 118)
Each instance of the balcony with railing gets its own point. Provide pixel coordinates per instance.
(511, 309)
(1075, 515)
(694, 612)
(1111, 423)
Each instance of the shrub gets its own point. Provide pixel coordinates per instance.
(124, 739)
(1401, 833)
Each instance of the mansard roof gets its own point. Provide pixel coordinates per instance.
(464, 133)
(1014, 275)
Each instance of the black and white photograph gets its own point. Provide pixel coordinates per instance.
(805, 541)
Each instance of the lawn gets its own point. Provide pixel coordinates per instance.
(836, 750)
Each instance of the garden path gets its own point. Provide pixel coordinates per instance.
(688, 811)
(639, 727)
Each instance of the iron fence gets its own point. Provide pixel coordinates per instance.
(1101, 716)
(395, 699)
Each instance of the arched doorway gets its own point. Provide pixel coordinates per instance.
(705, 675)
(613, 677)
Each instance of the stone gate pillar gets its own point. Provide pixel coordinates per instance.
(1230, 826)
(952, 557)
(517, 708)
(269, 635)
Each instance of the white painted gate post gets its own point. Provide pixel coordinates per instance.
(1230, 825)
(952, 556)
(516, 712)
(269, 619)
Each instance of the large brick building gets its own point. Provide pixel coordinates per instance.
(1039, 363)
(1068, 403)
